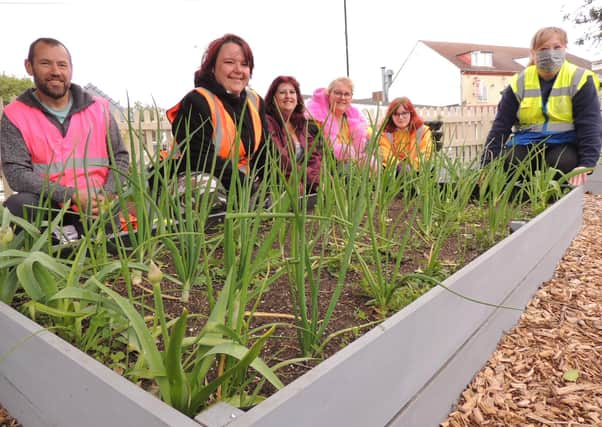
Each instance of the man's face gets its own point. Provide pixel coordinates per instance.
(51, 70)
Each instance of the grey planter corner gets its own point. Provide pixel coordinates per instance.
(594, 181)
(408, 371)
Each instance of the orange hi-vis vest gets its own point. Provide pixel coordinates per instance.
(79, 159)
(224, 129)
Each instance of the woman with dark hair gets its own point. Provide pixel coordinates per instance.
(292, 134)
(405, 139)
(220, 125)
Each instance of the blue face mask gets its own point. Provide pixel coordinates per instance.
(550, 60)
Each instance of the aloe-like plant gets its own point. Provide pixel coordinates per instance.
(182, 368)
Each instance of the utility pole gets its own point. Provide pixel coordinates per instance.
(346, 39)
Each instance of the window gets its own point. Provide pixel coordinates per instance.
(479, 58)
(479, 90)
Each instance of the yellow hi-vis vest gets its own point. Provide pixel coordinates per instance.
(559, 109)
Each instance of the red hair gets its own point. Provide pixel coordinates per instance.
(415, 120)
(297, 118)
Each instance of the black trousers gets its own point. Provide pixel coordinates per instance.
(31, 207)
(560, 156)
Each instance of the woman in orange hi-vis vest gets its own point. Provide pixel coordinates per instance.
(220, 124)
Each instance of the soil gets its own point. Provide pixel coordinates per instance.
(525, 381)
(354, 312)
(547, 370)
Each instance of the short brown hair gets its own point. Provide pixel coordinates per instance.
(49, 41)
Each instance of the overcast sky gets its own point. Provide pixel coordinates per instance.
(150, 49)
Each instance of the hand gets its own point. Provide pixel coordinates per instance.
(87, 201)
(578, 179)
(255, 185)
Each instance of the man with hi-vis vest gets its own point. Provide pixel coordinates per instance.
(54, 142)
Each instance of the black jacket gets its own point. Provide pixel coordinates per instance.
(193, 124)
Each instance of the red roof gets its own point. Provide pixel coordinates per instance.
(504, 57)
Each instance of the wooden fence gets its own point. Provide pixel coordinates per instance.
(464, 128)
(149, 126)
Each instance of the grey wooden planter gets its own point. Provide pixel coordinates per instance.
(408, 371)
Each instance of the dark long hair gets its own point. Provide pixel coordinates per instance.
(210, 56)
(415, 120)
(297, 118)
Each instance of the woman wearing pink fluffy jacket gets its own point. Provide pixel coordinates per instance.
(343, 125)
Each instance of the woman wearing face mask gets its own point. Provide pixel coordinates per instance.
(554, 106)
(405, 139)
(220, 124)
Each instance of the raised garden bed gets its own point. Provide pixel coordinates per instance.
(407, 371)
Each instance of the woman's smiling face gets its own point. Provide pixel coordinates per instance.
(401, 117)
(232, 69)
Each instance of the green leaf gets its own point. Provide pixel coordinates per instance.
(77, 294)
(34, 275)
(42, 308)
(200, 397)
(179, 387)
(239, 351)
(571, 375)
(9, 286)
(150, 351)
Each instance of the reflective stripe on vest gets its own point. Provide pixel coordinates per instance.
(225, 134)
(559, 109)
(79, 159)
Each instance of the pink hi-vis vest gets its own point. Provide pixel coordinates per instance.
(80, 158)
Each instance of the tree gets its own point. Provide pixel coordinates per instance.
(588, 15)
(12, 86)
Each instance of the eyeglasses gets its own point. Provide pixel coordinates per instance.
(341, 94)
(402, 114)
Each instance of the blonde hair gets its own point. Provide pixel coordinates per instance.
(544, 34)
(343, 80)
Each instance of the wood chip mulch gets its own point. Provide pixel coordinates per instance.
(6, 420)
(547, 371)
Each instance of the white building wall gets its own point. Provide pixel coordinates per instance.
(427, 79)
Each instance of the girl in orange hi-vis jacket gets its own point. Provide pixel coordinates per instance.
(405, 139)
